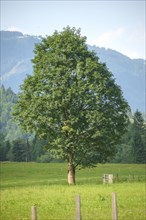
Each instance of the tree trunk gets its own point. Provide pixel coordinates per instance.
(71, 174)
(28, 157)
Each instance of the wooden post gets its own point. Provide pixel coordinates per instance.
(33, 213)
(114, 207)
(78, 208)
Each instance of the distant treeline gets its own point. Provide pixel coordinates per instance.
(18, 146)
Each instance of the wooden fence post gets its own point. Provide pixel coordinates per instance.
(78, 208)
(114, 207)
(33, 213)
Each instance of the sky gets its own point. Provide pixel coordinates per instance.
(119, 25)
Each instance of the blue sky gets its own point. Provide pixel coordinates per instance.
(119, 25)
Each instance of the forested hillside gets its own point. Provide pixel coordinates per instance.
(133, 145)
(14, 144)
(17, 146)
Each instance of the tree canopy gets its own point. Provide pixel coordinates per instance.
(72, 100)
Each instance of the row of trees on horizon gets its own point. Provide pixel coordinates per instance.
(20, 147)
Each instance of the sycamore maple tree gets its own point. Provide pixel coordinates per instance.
(72, 100)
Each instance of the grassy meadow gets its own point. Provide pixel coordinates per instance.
(45, 185)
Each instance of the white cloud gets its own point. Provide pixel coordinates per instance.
(106, 39)
(133, 54)
(128, 42)
(13, 28)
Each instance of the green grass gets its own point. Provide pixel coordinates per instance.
(44, 185)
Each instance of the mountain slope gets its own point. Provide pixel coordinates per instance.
(16, 55)
(129, 74)
(17, 52)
